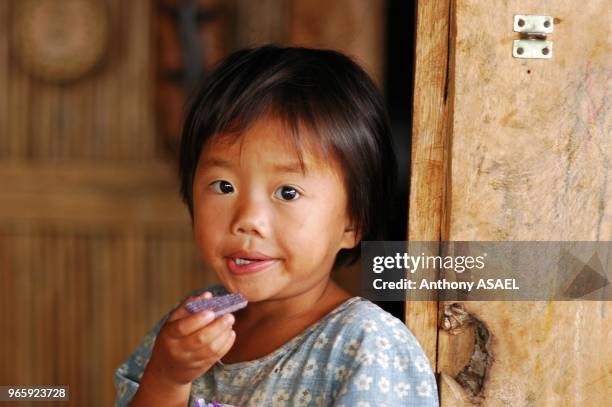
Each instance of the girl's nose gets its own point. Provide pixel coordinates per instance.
(250, 218)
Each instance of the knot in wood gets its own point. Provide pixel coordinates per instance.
(456, 318)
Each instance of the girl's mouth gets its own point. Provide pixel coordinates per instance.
(241, 266)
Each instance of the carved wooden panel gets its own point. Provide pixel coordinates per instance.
(105, 116)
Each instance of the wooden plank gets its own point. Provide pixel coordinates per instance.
(75, 129)
(142, 69)
(39, 372)
(530, 161)
(429, 142)
(262, 22)
(4, 305)
(22, 310)
(354, 27)
(99, 259)
(84, 192)
(114, 264)
(19, 113)
(4, 81)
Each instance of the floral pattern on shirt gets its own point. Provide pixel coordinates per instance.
(357, 355)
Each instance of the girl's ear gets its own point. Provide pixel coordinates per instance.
(350, 238)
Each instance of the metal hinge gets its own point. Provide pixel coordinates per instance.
(533, 30)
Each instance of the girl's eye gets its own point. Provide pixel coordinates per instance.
(287, 193)
(222, 187)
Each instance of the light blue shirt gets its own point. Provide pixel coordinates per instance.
(358, 355)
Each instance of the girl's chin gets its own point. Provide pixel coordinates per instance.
(253, 292)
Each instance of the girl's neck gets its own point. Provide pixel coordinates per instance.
(317, 301)
(258, 335)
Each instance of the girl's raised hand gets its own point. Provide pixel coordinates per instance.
(188, 345)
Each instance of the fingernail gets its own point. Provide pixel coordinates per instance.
(228, 319)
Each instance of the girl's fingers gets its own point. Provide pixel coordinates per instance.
(183, 328)
(219, 343)
(181, 311)
(218, 347)
(206, 336)
(229, 342)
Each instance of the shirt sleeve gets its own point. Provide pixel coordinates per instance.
(398, 376)
(128, 375)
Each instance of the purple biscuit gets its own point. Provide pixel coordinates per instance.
(220, 305)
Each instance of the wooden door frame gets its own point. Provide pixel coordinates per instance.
(432, 117)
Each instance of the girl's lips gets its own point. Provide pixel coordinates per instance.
(253, 267)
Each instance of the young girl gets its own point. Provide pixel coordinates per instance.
(286, 164)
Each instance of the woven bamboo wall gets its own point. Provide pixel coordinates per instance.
(76, 298)
(94, 243)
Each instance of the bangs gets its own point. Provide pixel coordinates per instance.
(305, 130)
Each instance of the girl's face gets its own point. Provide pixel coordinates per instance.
(268, 230)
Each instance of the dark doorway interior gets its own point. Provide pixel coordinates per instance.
(400, 43)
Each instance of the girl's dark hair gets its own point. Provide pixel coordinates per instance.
(322, 91)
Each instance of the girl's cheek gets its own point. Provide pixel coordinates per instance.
(295, 217)
(205, 230)
(212, 212)
(206, 247)
(200, 240)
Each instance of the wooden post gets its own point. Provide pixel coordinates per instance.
(432, 108)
